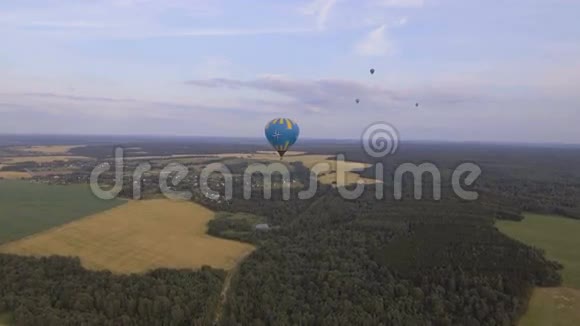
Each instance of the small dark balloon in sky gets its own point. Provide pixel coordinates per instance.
(372, 71)
(357, 100)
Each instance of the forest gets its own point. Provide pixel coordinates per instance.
(57, 291)
(367, 263)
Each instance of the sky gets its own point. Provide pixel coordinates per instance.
(480, 70)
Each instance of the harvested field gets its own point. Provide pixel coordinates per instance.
(553, 306)
(51, 150)
(40, 159)
(136, 237)
(166, 157)
(10, 175)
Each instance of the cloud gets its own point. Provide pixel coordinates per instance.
(75, 98)
(79, 105)
(327, 95)
(321, 9)
(313, 92)
(375, 43)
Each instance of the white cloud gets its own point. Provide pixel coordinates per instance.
(341, 93)
(374, 43)
(321, 9)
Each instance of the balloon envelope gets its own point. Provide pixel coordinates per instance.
(282, 133)
(372, 71)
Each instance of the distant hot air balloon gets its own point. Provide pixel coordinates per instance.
(372, 71)
(282, 133)
(416, 105)
(357, 101)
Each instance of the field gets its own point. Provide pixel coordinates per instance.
(554, 307)
(558, 236)
(5, 319)
(137, 237)
(310, 161)
(27, 208)
(40, 159)
(52, 149)
(166, 157)
(39, 154)
(14, 175)
(331, 176)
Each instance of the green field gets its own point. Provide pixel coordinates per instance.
(6, 319)
(560, 238)
(27, 208)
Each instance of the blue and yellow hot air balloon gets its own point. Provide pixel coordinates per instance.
(282, 133)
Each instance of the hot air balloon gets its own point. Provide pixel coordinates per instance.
(282, 133)
(357, 101)
(372, 71)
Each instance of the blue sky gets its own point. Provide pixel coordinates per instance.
(481, 70)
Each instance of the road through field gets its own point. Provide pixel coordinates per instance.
(226, 288)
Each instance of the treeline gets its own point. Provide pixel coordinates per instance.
(537, 179)
(236, 226)
(57, 291)
(21, 167)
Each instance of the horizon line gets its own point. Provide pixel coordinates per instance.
(303, 138)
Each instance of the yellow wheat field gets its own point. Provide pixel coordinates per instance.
(136, 237)
(13, 175)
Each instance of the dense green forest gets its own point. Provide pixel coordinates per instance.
(367, 263)
(57, 291)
